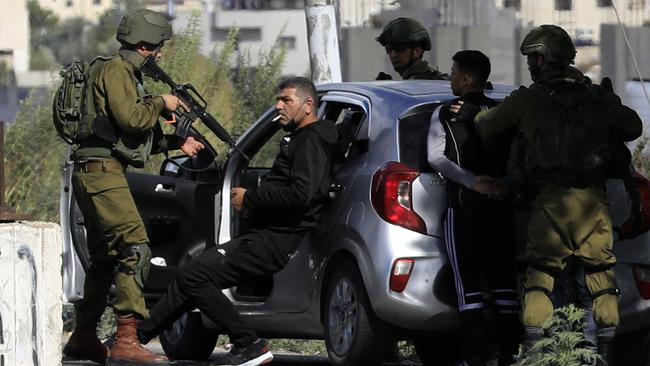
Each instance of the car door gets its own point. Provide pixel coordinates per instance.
(177, 207)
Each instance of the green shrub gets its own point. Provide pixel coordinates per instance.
(564, 343)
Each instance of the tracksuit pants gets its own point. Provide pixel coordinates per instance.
(480, 242)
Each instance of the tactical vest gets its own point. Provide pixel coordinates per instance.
(571, 143)
(108, 141)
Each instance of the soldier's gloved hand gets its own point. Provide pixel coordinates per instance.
(464, 111)
(607, 84)
(383, 76)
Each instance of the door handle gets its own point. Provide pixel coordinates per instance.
(164, 188)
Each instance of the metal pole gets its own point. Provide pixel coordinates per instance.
(322, 31)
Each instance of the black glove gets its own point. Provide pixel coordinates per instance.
(383, 76)
(606, 83)
(467, 112)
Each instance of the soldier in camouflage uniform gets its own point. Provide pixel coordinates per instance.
(570, 215)
(125, 132)
(405, 41)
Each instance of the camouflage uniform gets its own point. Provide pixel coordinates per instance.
(422, 70)
(116, 235)
(125, 132)
(566, 220)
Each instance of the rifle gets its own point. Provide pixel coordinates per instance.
(194, 101)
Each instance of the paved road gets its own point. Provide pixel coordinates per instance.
(279, 360)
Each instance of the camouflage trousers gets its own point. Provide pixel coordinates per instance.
(117, 243)
(568, 222)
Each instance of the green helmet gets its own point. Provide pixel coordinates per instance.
(143, 25)
(405, 31)
(550, 41)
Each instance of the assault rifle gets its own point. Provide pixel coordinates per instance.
(194, 101)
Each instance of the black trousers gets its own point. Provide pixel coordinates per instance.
(199, 284)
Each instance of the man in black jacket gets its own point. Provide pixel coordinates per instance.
(284, 207)
(479, 232)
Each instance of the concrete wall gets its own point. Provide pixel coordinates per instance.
(614, 56)
(30, 294)
(362, 57)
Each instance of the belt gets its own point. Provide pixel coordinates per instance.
(93, 166)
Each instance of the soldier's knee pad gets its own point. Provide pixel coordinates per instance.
(537, 305)
(603, 290)
(136, 262)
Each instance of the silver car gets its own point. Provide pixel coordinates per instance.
(374, 271)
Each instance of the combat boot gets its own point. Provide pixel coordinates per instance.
(84, 345)
(127, 350)
(605, 345)
(531, 336)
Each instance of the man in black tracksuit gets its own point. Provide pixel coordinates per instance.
(284, 207)
(479, 231)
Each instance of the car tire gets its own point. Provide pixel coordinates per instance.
(437, 351)
(188, 339)
(632, 349)
(353, 334)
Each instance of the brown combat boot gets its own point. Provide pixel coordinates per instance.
(127, 350)
(84, 345)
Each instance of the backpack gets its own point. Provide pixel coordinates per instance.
(73, 110)
(571, 144)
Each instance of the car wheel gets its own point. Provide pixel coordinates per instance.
(437, 351)
(353, 334)
(188, 339)
(632, 349)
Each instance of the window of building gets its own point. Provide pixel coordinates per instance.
(97, 2)
(250, 34)
(512, 4)
(604, 3)
(289, 42)
(68, 3)
(563, 4)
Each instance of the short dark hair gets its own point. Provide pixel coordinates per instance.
(475, 63)
(304, 87)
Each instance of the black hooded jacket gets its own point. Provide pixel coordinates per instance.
(292, 194)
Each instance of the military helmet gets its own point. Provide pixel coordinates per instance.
(405, 31)
(550, 41)
(143, 25)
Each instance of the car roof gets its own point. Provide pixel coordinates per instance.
(409, 88)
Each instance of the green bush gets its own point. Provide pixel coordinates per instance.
(564, 342)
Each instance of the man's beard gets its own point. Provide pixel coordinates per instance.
(290, 126)
(535, 72)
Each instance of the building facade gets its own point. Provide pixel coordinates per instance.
(90, 10)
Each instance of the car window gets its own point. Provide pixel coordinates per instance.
(413, 131)
(348, 119)
(264, 157)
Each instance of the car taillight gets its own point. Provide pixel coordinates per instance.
(392, 196)
(400, 274)
(642, 278)
(641, 223)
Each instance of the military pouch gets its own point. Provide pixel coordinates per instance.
(140, 271)
(135, 156)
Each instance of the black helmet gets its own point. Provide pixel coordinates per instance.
(405, 31)
(550, 41)
(143, 25)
